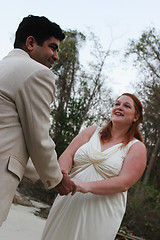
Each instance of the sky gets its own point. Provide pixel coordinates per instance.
(114, 21)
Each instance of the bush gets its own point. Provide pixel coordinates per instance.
(143, 212)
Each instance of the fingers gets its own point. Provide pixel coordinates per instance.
(66, 186)
(74, 187)
(74, 191)
(64, 172)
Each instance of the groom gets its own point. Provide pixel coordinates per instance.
(26, 91)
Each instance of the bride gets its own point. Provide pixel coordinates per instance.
(104, 164)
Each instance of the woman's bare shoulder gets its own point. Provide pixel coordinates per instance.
(138, 146)
(89, 131)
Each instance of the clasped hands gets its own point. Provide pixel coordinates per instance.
(68, 185)
(82, 187)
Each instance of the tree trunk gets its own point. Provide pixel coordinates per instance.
(151, 162)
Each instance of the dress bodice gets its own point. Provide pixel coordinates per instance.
(105, 163)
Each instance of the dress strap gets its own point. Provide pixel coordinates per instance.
(132, 142)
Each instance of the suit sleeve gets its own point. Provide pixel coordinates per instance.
(30, 172)
(33, 105)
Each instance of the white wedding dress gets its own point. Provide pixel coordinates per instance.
(89, 216)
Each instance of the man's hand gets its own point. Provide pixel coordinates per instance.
(66, 185)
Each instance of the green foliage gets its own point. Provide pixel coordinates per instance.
(68, 123)
(124, 230)
(149, 93)
(78, 99)
(143, 211)
(151, 96)
(146, 54)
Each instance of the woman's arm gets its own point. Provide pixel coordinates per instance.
(133, 168)
(66, 159)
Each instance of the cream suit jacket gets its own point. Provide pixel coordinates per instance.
(26, 92)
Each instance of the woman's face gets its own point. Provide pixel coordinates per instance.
(124, 111)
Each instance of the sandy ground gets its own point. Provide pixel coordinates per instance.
(22, 224)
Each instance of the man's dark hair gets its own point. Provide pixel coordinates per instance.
(40, 28)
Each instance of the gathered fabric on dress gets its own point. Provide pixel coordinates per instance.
(90, 216)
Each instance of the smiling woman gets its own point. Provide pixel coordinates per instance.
(124, 110)
(130, 109)
(107, 162)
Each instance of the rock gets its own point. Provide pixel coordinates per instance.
(22, 200)
(42, 212)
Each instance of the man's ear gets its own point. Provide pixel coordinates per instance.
(30, 43)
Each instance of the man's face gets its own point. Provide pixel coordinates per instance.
(46, 54)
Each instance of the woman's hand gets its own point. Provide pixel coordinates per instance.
(82, 187)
